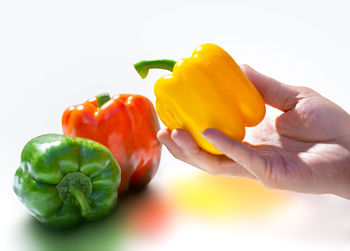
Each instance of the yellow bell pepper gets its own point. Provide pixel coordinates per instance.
(207, 90)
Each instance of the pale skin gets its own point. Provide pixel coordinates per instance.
(305, 149)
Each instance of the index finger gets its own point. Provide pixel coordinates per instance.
(276, 94)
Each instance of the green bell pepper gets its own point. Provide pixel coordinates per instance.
(63, 180)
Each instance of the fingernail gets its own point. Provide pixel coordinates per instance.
(207, 130)
(202, 134)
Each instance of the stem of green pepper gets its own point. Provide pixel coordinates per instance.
(102, 98)
(82, 201)
(143, 67)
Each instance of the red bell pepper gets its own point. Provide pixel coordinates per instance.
(127, 125)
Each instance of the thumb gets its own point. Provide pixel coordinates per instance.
(274, 93)
(244, 155)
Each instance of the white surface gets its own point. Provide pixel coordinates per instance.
(57, 53)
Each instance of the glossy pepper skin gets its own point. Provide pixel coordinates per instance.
(64, 180)
(207, 90)
(127, 125)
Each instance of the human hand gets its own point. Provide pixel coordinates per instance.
(305, 149)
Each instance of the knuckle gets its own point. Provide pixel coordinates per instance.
(268, 185)
(307, 91)
(208, 169)
(177, 155)
(213, 172)
(193, 152)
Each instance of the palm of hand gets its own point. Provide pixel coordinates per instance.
(303, 149)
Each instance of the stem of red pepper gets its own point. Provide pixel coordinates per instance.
(102, 98)
(143, 67)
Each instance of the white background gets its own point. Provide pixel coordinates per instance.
(57, 53)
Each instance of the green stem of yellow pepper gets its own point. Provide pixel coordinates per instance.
(143, 67)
